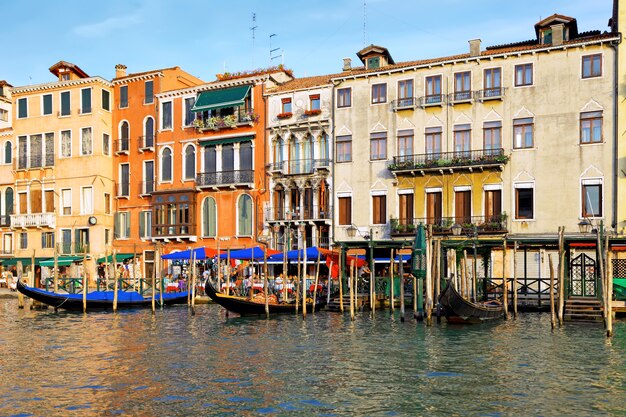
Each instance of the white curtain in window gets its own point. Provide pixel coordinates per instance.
(86, 142)
(66, 143)
(87, 200)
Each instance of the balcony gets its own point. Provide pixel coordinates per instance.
(432, 100)
(168, 232)
(122, 146)
(5, 220)
(146, 188)
(299, 166)
(407, 103)
(240, 117)
(122, 190)
(33, 220)
(443, 225)
(146, 143)
(243, 177)
(310, 213)
(496, 93)
(449, 162)
(72, 248)
(460, 97)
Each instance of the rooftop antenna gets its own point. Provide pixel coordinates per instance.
(364, 22)
(253, 30)
(272, 50)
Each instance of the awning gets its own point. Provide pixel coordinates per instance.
(582, 245)
(25, 261)
(219, 99)
(118, 257)
(61, 261)
(224, 141)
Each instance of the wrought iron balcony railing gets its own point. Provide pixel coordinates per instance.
(443, 225)
(122, 146)
(146, 187)
(225, 178)
(432, 100)
(445, 160)
(404, 103)
(313, 212)
(122, 189)
(72, 248)
(165, 230)
(146, 143)
(496, 93)
(460, 97)
(299, 166)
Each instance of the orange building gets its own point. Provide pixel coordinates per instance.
(211, 186)
(134, 136)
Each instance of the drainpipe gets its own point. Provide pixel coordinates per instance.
(264, 183)
(616, 127)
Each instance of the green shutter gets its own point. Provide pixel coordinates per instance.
(142, 228)
(127, 225)
(116, 225)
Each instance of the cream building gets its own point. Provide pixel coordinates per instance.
(63, 166)
(6, 171)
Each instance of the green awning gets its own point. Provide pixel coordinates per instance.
(61, 261)
(224, 141)
(25, 261)
(118, 257)
(218, 99)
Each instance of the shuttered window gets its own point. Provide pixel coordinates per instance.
(379, 208)
(345, 210)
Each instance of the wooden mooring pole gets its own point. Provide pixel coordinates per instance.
(317, 279)
(561, 279)
(304, 274)
(265, 289)
(505, 290)
(298, 285)
(192, 290)
(401, 288)
(341, 280)
(352, 290)
(116, 282)
(429, 282)
(392, 302)
(154, 280)
(85, 282)
(552, 309)
(609, 295)
(515, 280)
(20, 273)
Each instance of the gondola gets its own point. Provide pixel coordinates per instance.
(98, 300)
(459, 310)
(246, 307)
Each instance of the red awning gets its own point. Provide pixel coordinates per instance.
(582, 245)
(618, 248)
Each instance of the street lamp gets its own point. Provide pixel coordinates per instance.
(456, 229)
(584, 226)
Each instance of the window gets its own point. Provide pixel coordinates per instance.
(22, 152)
(23, 240)
(166, 119)
(8, 152)
(591, 127)
(209, 217)
(379, 209)
(22, 108)
(123, 96)
(345, 211)
(190, 163)
(546, 36)
(373, 63)
(462, 140)
(344, 97)
(523, 75)
(492, 83)
(344, 148)
(124, 181)
(432, 137)
(166, 164)
(8, 201)
(314, 102)
(121, 225)
(286, 105)
(378, 146)
(379, 93)
(35, 151)
(86, 200)
(49, 149)
(405, 93)
(592, 66)
(245, 156)
(405, 206)
(86, 142)
(592, 198)
(107, 203)
(4, 115)
(434, 206)
(189, 115)
(148, 177)
(106, 144)
(107, 236)
(66, 108)
(462, 86)
(493, 205)
(149, 133)
(463, 205)
(244, 211)
(66, 143)
(405, 143)
(523, 137)
(148, 92)
(174, 214)
(106, 100)
(492, 137)
(433, 90)
(47, 240)
(145, 224)
(66, 201)
(85, 100)
(524, 201)
(123, 144)
(46, 104)
(66, 241)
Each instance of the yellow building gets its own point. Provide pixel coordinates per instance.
(63, 166)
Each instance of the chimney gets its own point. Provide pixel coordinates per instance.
(347, 64)
(120, 70)
(474, 47)
(557, 34)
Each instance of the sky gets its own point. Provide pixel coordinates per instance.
(207, 37)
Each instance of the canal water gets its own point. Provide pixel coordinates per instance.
(175, 364)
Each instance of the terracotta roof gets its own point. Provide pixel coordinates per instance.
(54, 69)
(507, 49)
(555, 16)
(303, 83)
(137, 74)
(4, 83)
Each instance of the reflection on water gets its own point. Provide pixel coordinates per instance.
(176, 364)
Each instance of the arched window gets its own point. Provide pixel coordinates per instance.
(308, 154)
(190, 162)
(149, 133)
(209, 217)
(124, 135)
(278, 150)
(244, 215)
(323, 147)
(166, 164)
(8, 152)
(8, 201)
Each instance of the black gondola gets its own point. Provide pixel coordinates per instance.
(98, 300)
(458, 309)
(247, 307)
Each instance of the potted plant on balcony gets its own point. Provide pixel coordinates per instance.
(410, 228)
(250, 116)
(313, 112)
(199, 123)
(211, 123)
(230, 121)
(285, 115)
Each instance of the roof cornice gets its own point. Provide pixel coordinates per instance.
(59, 85)
(138, 77)
(216, 85)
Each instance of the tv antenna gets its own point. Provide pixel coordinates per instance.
(272, 50)
(364, 22)
(253, 29)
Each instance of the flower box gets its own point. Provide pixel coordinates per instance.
(312, 112)
(284, 115)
